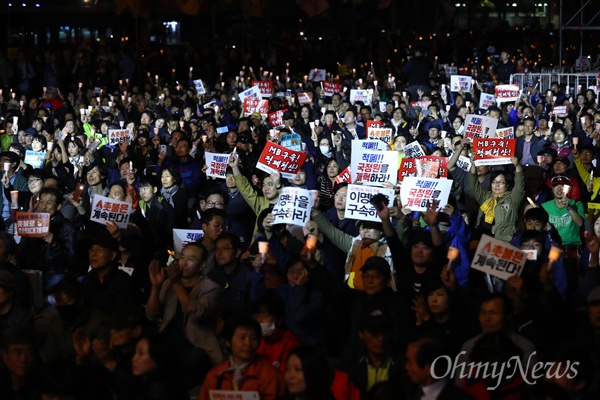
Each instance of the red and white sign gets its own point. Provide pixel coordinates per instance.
(276, 118)
(374, 167)
(383, 134)
(498, 258)
(31, 224)
(408, 167)
(331, 88)
(278, 158)
(105, 209)
(217, 164)
(505, 133)
(116, 136)
(506, 93)
(560, 111)
(252, 106)
(492, 151)
(344, 176)
(305, 97)
(266, 87)
(442, 170)
(423, 104)
(416, 193)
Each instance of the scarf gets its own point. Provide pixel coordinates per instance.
(488, 208)
(237, 373)
(169, 193)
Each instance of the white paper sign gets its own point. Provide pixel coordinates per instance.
(358, 204)
(486, 100)
(498, 258)
(233, 395)
(417, 192)
(293, 206)
(252, 92)
(199, 85)
(116, 136)
(460, 82)
(217, 164)
(506, 93)
(505, 133)
(451, 70)
(374, 167)
(317, 75)
(182, 237)
(479, 126)
(413, 150)
(464, 163)
(35, 158)
(365, 96)
(372, 144)
(105, 209)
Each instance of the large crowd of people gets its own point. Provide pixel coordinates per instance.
(92, 310)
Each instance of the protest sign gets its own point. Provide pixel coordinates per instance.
(383, 134)
(464, 163)
(442, 166)
(317, 75)
(560, 111)
(417, 192)
(305, 97)
(331, 88)
(276, 118)
(252, 106)
(344, 176)
(369, 144)
(493, 151)
(253, 93)
(451, 70)
(478, 126)
(36, 159)
(293, 206)
(505, 93)
(460, 83)
(105, 209)
(291, 141)
(486, 100)
(498, 258)
(358, 204)
(265, 87)
(182, 237)
(505, 133)
(199, 85)
(32, 224)
(372, 124)
(593, 209)
(233, 395)
(364, 95)
(408, 167)
(423, 104)
(217, 164)
(413, 150)
(116, 136)
(277, 158)
(374, 167)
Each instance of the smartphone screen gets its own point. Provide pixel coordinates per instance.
(78, 191)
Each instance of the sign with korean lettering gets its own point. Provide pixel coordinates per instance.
(116, 136)
(253, 93)
(317, 75)
(423, 104)
(560, 111)
(413, 150)
(408, 167)
(383, 134)
(344, 176)
(217, 164)
(277, 158)
(276, 118)
(451, 70)
(416, 192)
(331, 88)
(460, 83)
(498, 258)
(305, 97)
(374, 167)
(364, 95)
(506, 93)
(358, 205)
(372, 124)
(492, 151)
(183, 237)
(505, 133)
(478, 126)
(199, 85)
(369, 144)
(486, 100)
(36, 159)
(233, 395)
(33, 224)
(291, 141)
(252, 106)
(442, 169)
(265, 87)
(464, 163)
(105, 209)
(293, 206)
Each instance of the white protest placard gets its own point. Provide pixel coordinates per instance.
(383, 134)
(369, 144)
(199, 85)
(498, 258)
(317, 75)
(413, 150)
(417, 192)
(364, 95)
(358, 204)
(560, 111)
(105, 209)
(479, 126)
(252, 92)
(182, 237)
(233, 395)
(464, 163)
(36, 159)
(451, 70)
(505, 133)
(116, 136)
(217, 164)
(460, 82)
(374, 167)
(486, 100)
(506, 93)
(293, 206)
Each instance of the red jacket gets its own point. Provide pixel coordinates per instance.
(276, 348)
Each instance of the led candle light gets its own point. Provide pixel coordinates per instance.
(453, 253)
(6, 168)
(531, 202)
(575, 141)
(130, 166)
(555, 253)
(311, 245)
(204, 137)
(566, 189)
(263, 248)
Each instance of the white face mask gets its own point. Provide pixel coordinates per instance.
(324, 150)
(267, 328)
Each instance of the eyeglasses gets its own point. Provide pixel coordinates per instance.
(499, 183)
(218, 226)
(214, 204)
(33, 180)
